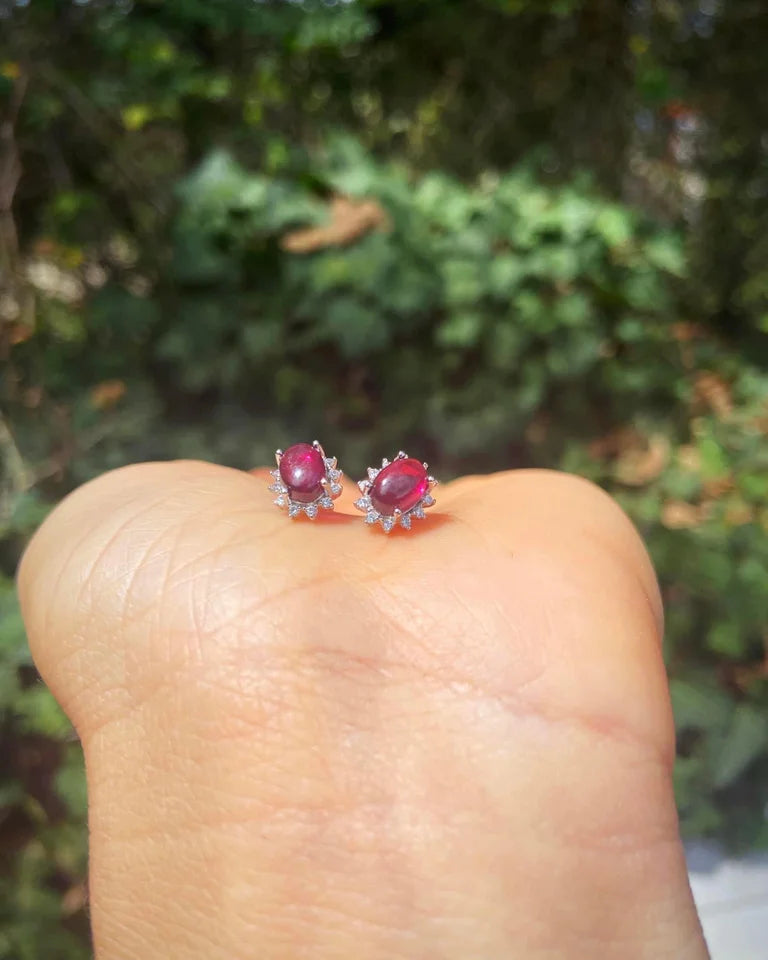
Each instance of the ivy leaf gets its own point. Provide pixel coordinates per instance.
(698, 705)
(460, 330)
(745, 740)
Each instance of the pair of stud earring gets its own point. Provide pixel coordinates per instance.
(396, 493)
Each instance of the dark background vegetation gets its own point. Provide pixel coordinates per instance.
(500, 233)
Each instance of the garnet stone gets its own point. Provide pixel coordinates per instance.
(399, 486)
(302, 470)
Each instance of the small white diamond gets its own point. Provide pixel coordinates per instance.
(405, 521)
(294, 510)
(428, 501)
(311, 510)
(335, 489)
(326, 503)
(372, 517)
(334, 474)
(276, 488)
(364, 503)
(373, 473)
(275, 474)
(418, 512)
(330, 462)
(387, 523)
(280, 502)
(363, 486)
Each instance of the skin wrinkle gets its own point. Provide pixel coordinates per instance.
(518, 714)
(599, 725)
(64, 568)
(197, 560)
(92, 568)
(171, 588)
(441, 681)
(78, 548)
(55, 673)
(522, 708)
(128, 934)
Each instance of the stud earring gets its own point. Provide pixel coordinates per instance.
(396, 493)
(305, 479)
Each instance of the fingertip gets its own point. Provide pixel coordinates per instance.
(60, 557)
(566, 510)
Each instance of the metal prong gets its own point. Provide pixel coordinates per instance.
(384, 463)
(425, 464)
(278, 456)
(397, 513)
(318, 446)
(402, 455)
(432, 481)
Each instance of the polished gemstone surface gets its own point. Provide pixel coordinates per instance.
(302, 470)
(399, 486)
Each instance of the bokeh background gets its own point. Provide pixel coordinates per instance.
(500, 233)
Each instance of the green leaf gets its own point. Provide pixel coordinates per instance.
(714, 461)
(728, 639)
(745, 740)
(505, 273)
(356, 330)
(699, 705)
(464, 282)
(614, 224)
(38, 712)
(665, 250)
(460, 329)
(70, 782)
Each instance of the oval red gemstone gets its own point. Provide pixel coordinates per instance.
(302, 469)
(399, 486)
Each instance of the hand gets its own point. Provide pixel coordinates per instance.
(316, 741)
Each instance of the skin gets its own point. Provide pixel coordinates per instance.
(311, 740)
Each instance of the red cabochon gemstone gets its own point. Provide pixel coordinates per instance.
(302, 469)
(399, 486)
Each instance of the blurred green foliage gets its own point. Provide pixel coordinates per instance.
(499, 232)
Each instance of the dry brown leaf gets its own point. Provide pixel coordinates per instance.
(18, 333)
(713, 391)
(538, 429)
(32, 397)
(349, 220)
(744, 676)
(715, 487)
(679, 515)
(689, 458)
(74, 899)
(640, 465)
(615, 442)
(45, 247)
(107, 394)
(684, 331)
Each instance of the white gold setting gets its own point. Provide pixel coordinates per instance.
(400, 518)
(330, 483)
